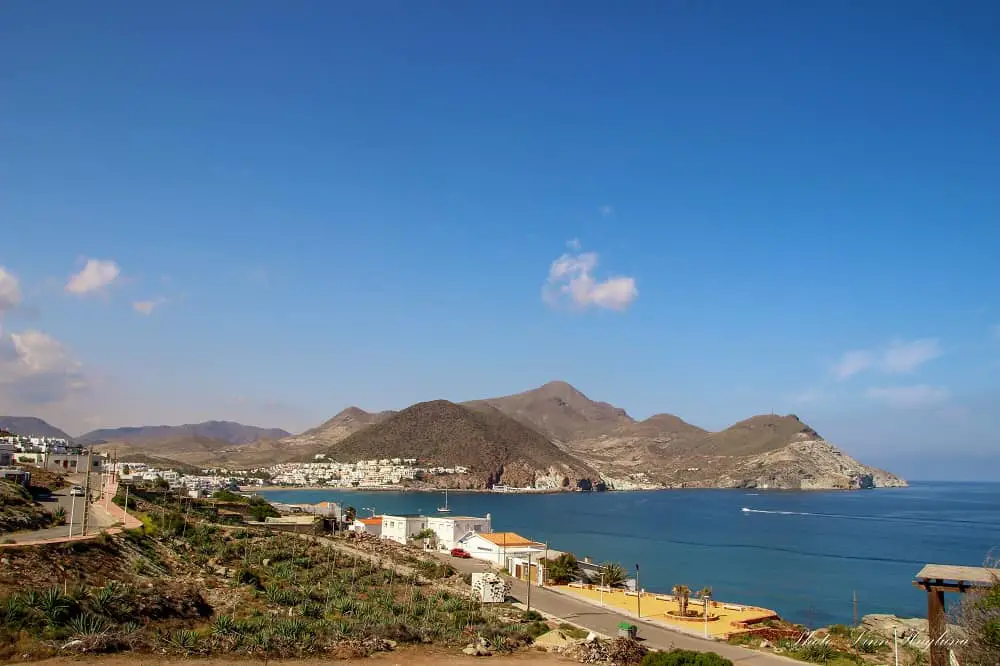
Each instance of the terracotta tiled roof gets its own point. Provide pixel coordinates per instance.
(508, 539)
(376, 520)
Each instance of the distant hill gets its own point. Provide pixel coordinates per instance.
(495, 447)
(553, 434)
(126, 454)
(226, 432)
(559, 411)
(763, 451)
(30, 426)
(305, 445)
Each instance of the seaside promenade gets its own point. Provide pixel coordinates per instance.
(724, 619)
(605, 620)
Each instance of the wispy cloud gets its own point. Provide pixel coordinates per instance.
(920, 395)
(573, 244)
(606, 210)
(147, 307)
(571, 279)
(898, 358)
(807, 396)
(94, 277)
(10, 291)
(853, 362)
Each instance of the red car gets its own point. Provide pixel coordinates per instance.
(458, 552)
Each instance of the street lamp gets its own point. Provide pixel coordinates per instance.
(602, 589)
(638, 593)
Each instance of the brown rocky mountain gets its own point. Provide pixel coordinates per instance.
(494, 447)
(559, 411)
(763, 451)
(224, 432)
(310, 442)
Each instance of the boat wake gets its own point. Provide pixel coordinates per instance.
(781, 513)
(887, 519)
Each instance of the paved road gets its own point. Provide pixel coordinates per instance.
(73, 507)
(605, 621)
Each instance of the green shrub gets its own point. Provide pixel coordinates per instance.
(531, 616)
(684, 658)
(820, 653)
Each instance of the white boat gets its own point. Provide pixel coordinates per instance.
(444, 509)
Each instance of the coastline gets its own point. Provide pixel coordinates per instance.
(402, 490)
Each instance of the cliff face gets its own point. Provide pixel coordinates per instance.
(809, 464)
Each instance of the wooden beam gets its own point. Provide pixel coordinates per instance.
(936, 628)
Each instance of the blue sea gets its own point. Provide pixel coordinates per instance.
(803, 554)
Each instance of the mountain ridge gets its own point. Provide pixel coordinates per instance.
(229, 432)
(496, 448)
(31, 426)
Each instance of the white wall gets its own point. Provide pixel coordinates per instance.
(401, 528)
(450, 530)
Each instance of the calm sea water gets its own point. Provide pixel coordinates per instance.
(803, 554)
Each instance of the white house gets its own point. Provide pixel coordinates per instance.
(6, 454)
(400, 528)
(449, 529)
(372, 526)
(499, 547)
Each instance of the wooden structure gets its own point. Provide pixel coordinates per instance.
(937, 579)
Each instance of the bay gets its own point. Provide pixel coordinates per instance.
(803, 554)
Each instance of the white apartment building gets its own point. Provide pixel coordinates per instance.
(400, 528)
(71, 463)
(448, 530)
(500, 547)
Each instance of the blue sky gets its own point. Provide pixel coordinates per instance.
(713, 209)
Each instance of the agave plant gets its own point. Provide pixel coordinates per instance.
(13, 611)
(183, 640)
(104, 600)
(54, 605)
(88, 624)
(225, 625)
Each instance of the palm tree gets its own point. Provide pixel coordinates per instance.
(683, 594)
(612, 574)
(561, 570)
(705, 593)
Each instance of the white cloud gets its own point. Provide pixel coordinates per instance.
(10, 290)
(147, 307)
(96, 275)
(35, 368)
(571, 277)
(607, 211)
(573, 244)
(903, 357)
(853, 362)
(807, 396)
(898, 358)
(920, 395)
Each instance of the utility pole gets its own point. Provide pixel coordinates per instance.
(72, 510)
(528, 600)
(86, 491)
(855, 608)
